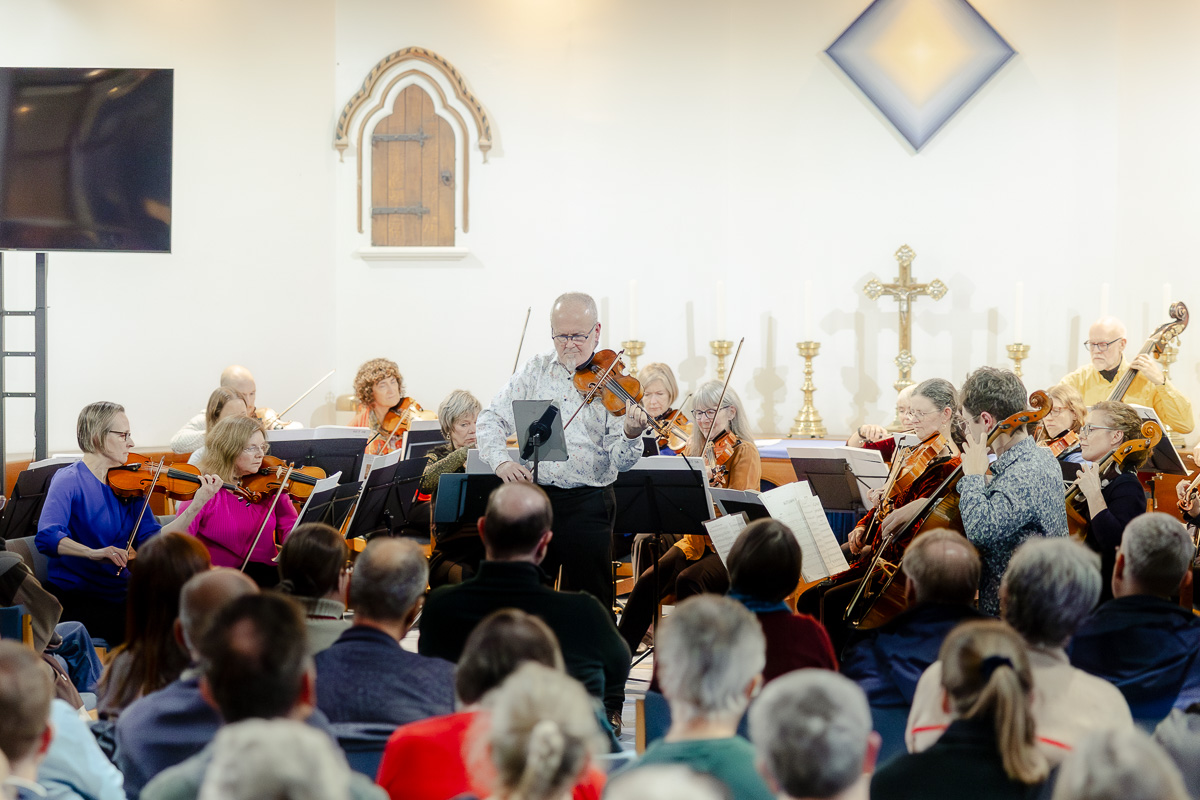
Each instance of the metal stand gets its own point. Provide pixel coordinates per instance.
(633, 349)
(808, 424)
(38, 354)
(721, 348)
(1018, 352)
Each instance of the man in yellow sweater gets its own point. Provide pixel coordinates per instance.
(1095, 381)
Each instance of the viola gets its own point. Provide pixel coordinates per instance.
(269, 480)
(1078, 520)
(179, 481)
(679, 430)
(1155, 344)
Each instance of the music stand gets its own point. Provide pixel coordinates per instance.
(463, 496)
(1164, 458)
(330, 447)
(330, 502)
(539, 432)
(23, 509)
(373, 514)
(735, 501)
(841, 477)
(422, 436)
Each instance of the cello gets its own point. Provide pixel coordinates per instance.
(1078, 521)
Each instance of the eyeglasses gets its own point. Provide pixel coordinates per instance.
(1086, 430)
(572, 338)
(709, 414)
(964, 423)
(917, 415)
(1099, 347)
(255, 450)
(123, 434)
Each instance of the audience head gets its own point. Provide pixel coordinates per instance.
(1109, 424)
(501, 642)
(1179, 736)
(989, 396)
(25, 694)
(541, 734)
(164, 564)
(379, 383)
(1118, 765)
(764, 562)
(711, 652)
(223, 402)
(280, 759)
(389, 582)
(517, 523)
(942, 567)
(1049, 587)
(1155, 557)
(1106, 342)
(664, 782)
(96, 429)
(986, 675)
(1067, 411)
(224, 444)
(457, 415)
(312, 562)
(813, 733)
(255, 662)
(202, 596)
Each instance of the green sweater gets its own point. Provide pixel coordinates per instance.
(731, 761)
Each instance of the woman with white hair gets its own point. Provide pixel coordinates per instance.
(457, 548)
(1119, 765)
(691, 566)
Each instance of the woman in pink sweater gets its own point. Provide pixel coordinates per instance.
(227, 524)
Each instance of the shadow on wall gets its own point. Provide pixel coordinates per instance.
(694, 369)
(770, 382)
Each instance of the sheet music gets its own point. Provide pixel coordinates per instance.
(370, 462)
(321, 432)
(868, 467)
(794, 505)
(724, 531)
(322, 485)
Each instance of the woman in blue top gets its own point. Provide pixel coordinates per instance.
(84, 526)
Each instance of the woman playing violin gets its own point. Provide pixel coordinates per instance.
(379, 387)
(227, 524)
(1113, 497)
(85, 527)
(691, 566)
(457, 548)
(659, 393)
(1059, 429)
(222, 403)
(932, 412)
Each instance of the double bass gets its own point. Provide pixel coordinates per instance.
(1154, 345)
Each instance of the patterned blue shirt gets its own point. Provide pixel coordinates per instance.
(1023, 498)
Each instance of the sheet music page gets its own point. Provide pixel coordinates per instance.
(818, 526)
(794, 505)
(724, 531)
(322, 485)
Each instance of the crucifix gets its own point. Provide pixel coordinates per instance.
(904, 290)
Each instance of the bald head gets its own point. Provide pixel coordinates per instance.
(389, 577)
(575, 304)
(942, 567)
(518, 516)
(203, 596)
(1102, 332)
(239, 379)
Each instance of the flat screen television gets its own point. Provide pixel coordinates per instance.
(85, 159)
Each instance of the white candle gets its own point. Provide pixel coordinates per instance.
(720, 288)
(808, 312)
(1019, 295)
(1104, 299)
(1167, 297)
(633, 310)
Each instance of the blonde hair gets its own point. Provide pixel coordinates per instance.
(542, 732)
(223, 443)
(92, 425)
(1064, 396)
(707, 395)
(1127, 421)
(658, 371)
(371, 373)
(457, 405)
(986, 673)
(217, 401)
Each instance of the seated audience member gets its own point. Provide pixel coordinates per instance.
(255, 668)
(18, 586)
(764, 568)
(222, 403)
(166, 727)
(314, 565)
(710, 658)
(280, 759)
(812, 732)
(942, 569)
(990, 749)
(516, 532)
(1050, 586)
(1140, 641)
(1179, 736)
(457, 549)
(75, 766)
(25, 730)
(366, 676)
(424, 760)
(664, 782)
(541, 734)
(1119, 765)
(150, 658)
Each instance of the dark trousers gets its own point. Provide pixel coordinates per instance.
(103, 619)
(674, 575)
(265, 575)
(455, 556)
(582, 543)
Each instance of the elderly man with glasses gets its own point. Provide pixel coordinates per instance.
(1095, 381)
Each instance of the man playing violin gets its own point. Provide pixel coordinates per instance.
(1022, 496)
(1106, 344)
(84, 527)
(599, 446)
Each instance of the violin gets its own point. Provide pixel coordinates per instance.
(679, 430)
(604, 376)
(1190, 496)
(399, 416)
(1078, 519)
(717, 456)
(908, 465)
(179, 481)
(268, 479)
(1061, 444)
(1155, 344)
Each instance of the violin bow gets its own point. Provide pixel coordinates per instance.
(267, 517)
(306, 394)
(145, 504)
(521, 344)
(721, 399)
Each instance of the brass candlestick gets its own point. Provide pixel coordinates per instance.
(633, 349)
(808, 421)
(721, 348)
(1018, 352)
(1169, 355)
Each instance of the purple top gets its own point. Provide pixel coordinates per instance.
(227, 524)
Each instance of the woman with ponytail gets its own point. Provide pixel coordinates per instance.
(990, 749)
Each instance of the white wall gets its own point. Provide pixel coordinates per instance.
(679, 142)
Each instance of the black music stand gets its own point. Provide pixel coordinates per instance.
(833, 482)
(373, 514)
(734, 501)
(23, 509)
(330, 506)
(462, 497)
(421, 437)
(342, 454)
